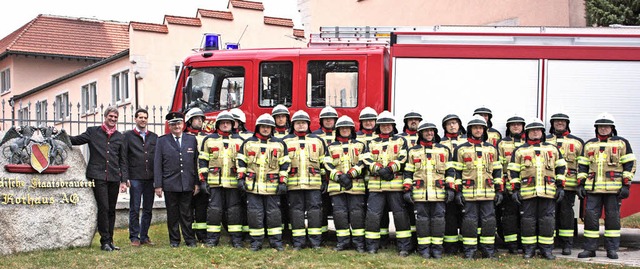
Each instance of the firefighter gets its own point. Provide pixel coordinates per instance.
(240, 121)
(282, 117)
(409, 131)
(537, 177)
(479, 186)
(367, 125)
(195, 121)
(217, 164)
(454, 135)
(328, 117)
(385, 159)
(508, 211)
(263, 166)
(347, 187)
(493, 136)
(605, 172)
(429, 183)
(570, 147)
(306, 152)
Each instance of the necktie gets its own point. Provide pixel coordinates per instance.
(178, 141)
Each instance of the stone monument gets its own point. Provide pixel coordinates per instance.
(45, 200)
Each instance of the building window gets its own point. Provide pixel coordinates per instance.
(89, 97)
(332, 83)
(5, 80)
(41, 113)
(276, 84)
(23, 116)
(62, 106)
(120, 87)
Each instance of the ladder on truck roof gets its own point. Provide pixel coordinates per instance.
(381, 35)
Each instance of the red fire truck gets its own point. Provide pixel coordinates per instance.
(528, 71)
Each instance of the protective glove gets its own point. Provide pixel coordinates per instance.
(282, 188)
(204, 188)
(581, 192)
(408, 197)
(242, 186)
(623, 193)
(559, 195)
(497, 200)
(516, 197)
(345, 181)
(385, 173)
(324, 186)
(460, 199)
(449, 195)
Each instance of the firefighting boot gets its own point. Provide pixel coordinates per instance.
(488, 251)
(547, 252)
(612, 254)
(256, 243)
(424, 251)
(512, 247)
(586, 254)
(212, 239)
(342, 244)
(436, 251)
(358, 243)
(236, 239)
(529, 250)
(372, 245)
(469, 251)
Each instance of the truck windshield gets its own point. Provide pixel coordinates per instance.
(216, 88)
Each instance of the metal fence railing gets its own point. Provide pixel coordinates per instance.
(72, 118)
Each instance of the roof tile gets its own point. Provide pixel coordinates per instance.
(183, 20)
(225, 15)
(298, 33)
(278, 21)
(55, 35)
(247, 4)
(149, 27)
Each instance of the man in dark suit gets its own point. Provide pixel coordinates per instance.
(139, 151)
(105, 161)
(175, 174)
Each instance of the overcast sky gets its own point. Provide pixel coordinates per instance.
(16, 13)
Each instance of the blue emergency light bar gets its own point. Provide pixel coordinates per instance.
(232, 46)
(211, 42)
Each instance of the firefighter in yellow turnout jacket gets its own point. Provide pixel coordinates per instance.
(282, 117)
(218, 167)
(571, 148)
(605, 173)
(429, 184)
(508, 211)
(385, 160)
(263, 167)
(328, 116)
(493, 136)
(306, 152)
(479, 184)
(454, 135)
(347, 187)
(537, 172)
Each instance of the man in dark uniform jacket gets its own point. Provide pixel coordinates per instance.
(175, 174)
(139, 151)
(105, 161)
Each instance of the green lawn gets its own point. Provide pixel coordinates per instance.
(632, 221)
(162, 256)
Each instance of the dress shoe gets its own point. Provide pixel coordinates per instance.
(612, 254)
(106, 247)
(135, 243)
(566, 251)
(147, 242)
(114, 246)
(174, 245)
(586, 254)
